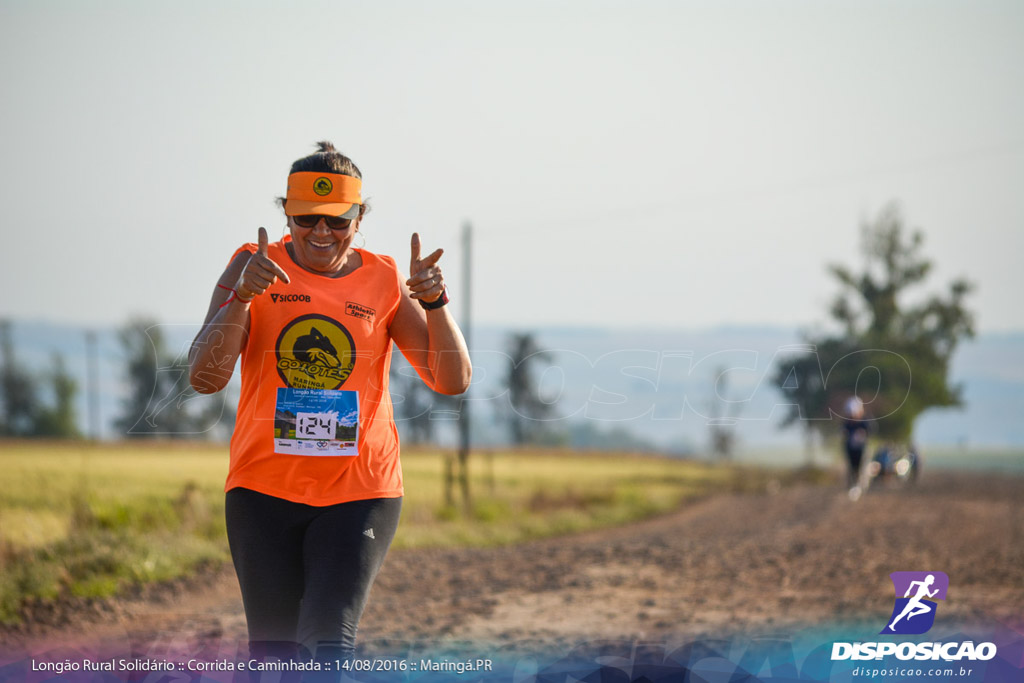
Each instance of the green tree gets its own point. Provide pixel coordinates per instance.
(528, 409)
(893, 355)
(160, 400)
(419, 408)
(143, 344)
(17, 390)
(58, 419)
(25, 414)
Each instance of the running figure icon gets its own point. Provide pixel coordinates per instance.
(914, 606)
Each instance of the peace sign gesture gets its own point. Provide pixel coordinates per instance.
(260, 272)
(425, 278)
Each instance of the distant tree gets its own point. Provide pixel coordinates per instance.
(528, 409)
(893, 355)
(801, 380)
(58, 419)
(145, 352)
(160, 401)
(17, 390)
(25, 414)
(419, 408)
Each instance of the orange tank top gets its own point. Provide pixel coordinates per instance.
(315, 422)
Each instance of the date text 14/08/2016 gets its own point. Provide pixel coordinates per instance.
(456, 666)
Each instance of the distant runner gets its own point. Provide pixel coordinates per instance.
(855, 438)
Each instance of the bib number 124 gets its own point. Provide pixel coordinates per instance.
(314, 426)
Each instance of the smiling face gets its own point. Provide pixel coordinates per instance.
(321, 249)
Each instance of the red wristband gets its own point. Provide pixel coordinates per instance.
(234, 296)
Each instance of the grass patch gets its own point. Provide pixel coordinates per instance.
(90, 521)
(525, 495)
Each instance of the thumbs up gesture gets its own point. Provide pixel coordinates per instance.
(259, 273)
(425, 279)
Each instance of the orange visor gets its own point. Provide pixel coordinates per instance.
(327, 194)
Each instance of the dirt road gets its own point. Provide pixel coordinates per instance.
(732, 564)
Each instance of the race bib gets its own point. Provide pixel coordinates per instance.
(316, 422)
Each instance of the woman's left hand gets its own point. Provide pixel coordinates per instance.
(432, 343)
(426, 281)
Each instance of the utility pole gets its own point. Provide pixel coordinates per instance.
(92, 380)
(467, 327)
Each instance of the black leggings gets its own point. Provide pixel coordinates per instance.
(853, 459)
(305, 572)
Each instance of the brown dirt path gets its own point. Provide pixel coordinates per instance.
(730, 564)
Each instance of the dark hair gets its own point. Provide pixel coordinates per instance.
(327, 160)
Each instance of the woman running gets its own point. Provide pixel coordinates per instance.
(314, 486)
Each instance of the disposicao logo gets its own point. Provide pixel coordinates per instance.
(914, 613)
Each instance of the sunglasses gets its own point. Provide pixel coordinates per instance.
(333, 222)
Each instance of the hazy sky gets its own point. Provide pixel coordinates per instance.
(628, 163)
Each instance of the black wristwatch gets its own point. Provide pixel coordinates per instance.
(436, 303)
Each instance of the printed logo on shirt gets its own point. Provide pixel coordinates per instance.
(360, 311)
(284, 298)
(315, 352)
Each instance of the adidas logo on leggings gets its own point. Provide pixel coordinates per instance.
(369, 533)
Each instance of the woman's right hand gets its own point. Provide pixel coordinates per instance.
(260, 272)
